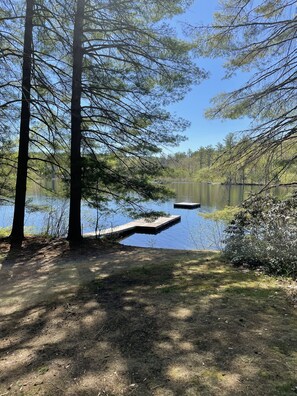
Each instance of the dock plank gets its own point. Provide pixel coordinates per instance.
(141, 226)
(187, 205)
(153, 227)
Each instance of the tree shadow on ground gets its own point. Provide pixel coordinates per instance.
(166, 324)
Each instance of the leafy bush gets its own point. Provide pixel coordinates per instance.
(264, 233)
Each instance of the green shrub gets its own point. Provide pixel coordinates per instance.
(264, 233)
(5, 232)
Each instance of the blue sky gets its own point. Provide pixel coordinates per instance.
(202, 131)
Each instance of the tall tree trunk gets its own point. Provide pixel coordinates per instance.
(74, 232)
(17, 233)
(243, 175)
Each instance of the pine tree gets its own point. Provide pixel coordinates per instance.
(258, 38)
(126, 66)
(17, 233)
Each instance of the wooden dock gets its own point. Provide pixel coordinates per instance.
(141, 226)
(187, 205)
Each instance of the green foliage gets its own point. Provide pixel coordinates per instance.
(229, 163)
(7, 165)
(227, 214)
(4, 232)
(264, 234)
(257, 38)
(106, 179)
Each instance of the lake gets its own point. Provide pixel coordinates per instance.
(193, 232)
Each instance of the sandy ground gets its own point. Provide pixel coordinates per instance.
(117, 320)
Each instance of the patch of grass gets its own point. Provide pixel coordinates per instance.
(5, 232)
(169, 289)
(285, 388)
(42, 370)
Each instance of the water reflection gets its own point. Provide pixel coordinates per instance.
(213, 195)
(193, 232)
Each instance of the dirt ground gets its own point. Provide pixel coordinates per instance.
(116, 320)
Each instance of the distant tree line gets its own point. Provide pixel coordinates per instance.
(223, 164)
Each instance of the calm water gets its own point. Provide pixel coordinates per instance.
(193, 232)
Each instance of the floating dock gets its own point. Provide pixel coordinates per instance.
(141, 226)
(187, 205)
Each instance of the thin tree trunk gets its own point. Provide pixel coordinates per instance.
(74, 231)
(17, 233)
(243, 176)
